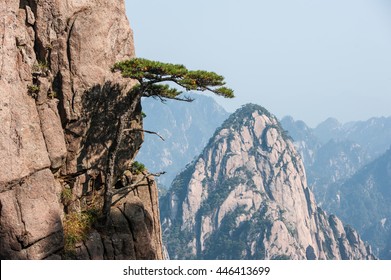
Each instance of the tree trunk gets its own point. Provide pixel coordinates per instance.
(123, 122)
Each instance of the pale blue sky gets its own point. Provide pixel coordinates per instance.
(311, 59)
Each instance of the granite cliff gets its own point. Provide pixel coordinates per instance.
(60, 106)
(246, 197)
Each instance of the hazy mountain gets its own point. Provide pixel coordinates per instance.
(333, 152)
(333, 163)
(305, 141)
(246, 197)
(373, 135)
(186, 128)
(364, 201)
(328, 129)
(347, 177)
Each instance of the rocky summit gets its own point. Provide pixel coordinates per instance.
(246, 197)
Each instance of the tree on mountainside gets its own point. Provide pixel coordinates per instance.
(153, 77)
(158, 80)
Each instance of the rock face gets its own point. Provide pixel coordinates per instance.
(246, 197)
(59, 109)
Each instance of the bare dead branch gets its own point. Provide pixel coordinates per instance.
(131, 187)
(146, 131)
(124, 192)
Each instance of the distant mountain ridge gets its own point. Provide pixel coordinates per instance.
(364, 201)
(305, 141)
(186, 128)
(349, 172)
(374, 134)
(246, 197)
(332, 152)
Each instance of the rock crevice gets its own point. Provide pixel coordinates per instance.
(59, 105)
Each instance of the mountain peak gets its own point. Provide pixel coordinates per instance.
(331, 122)
(246, 197)
(255, 118)
(248, 110)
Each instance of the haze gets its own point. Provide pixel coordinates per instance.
(310, 59)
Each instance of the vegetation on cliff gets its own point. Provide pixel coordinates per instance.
(158, 80)
(151, 74)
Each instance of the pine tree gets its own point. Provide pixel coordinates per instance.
(158, 80)
(155, 79)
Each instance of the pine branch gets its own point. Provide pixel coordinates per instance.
(151, 74)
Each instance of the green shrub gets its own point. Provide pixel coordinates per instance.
(138, 167)
(40, 66)
(33, 90)
(52, 94)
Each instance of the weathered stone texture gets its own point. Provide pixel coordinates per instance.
(31, 218)
(59, 109)
(249, 186)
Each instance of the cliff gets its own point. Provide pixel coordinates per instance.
(60, 106)
(246, 197)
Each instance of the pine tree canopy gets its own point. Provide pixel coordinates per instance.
(155, 77)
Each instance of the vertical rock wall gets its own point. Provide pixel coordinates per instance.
(59, 106)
